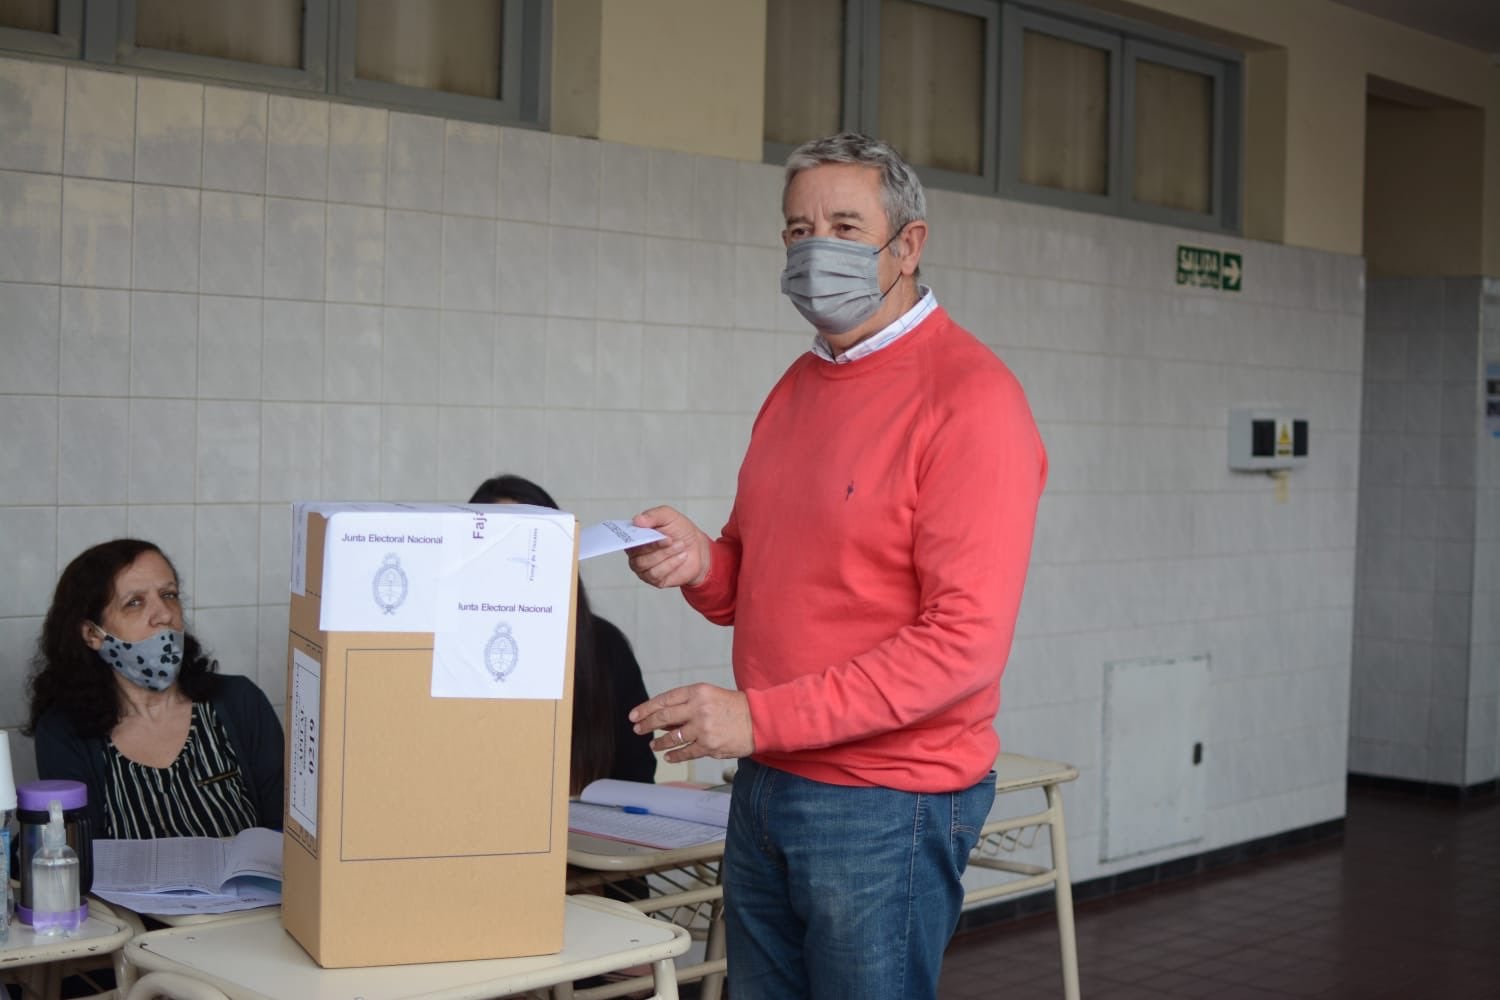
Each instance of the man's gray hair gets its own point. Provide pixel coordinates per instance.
(900, 190)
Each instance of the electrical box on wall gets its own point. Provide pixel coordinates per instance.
(1266, 439)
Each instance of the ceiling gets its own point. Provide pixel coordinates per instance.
(1475, 23)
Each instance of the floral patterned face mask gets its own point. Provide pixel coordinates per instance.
(151, 663)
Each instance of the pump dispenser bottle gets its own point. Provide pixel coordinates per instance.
(54, 880)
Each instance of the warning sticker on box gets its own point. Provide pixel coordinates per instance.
(302, 791)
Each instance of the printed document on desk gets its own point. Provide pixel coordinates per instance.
(699, 805)
(177, 875)
(660, 816)
(661, 832)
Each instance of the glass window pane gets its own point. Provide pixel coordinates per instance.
(452, 46)
(1064, 114)
(264, 32)
(932, 85)
(29, 15)
(804, 69)
(1174, 137)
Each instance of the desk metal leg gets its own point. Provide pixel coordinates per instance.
(1063, 888)
(125, 973)
(39, 982)
(174, 985)
(52, 981)
(665, 973)
(712, 985)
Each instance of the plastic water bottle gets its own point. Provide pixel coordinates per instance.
(5, 818)
(7, 814)
(54, 880)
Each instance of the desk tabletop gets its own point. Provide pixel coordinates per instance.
(252, 957)
(603, 854)
(100, 934)
(1014, 772)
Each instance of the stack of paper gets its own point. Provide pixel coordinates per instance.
(178, 875)
(660, 816)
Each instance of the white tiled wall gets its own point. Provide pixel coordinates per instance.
(1483, 744)
(214, 302)
(1424, 691)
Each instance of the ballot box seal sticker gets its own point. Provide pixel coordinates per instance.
(389, 584)
(502, 610)
(502, 653)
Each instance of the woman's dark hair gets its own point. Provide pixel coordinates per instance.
(69, 676)
(513, 489)
(594, 708)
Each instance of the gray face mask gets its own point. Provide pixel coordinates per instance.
(153, 663)
(834, 284)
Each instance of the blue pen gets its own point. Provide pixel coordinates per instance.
(636, 810)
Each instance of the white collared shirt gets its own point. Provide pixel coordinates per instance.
(905, 323)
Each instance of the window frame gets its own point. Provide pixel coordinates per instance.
(1127, 41)
(102, 33)
(860, 110)
(849, 109)
(66, 42)
(525, 35)
(869, 117)
(312, 76)
(1136, 51)
(1018, 21)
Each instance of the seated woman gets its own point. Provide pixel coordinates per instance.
(126, 701)
(606, 677)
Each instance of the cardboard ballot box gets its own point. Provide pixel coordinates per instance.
(429, 709)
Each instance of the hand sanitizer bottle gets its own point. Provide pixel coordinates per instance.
(54, 880)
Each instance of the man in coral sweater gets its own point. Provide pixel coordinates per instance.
(872, 567)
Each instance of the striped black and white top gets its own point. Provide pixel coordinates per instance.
(203, 793)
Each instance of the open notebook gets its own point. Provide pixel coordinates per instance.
(178, 875)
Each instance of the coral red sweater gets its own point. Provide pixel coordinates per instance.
(873, 562)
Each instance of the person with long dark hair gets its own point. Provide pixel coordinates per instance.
(606, 677)
(124, 699)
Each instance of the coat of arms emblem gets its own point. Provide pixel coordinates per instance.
(389, 584)
(501, 654)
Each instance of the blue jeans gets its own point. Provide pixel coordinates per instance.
(836, 892)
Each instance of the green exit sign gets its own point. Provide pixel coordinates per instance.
(1200, 267)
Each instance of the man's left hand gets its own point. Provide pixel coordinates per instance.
(699, 720)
